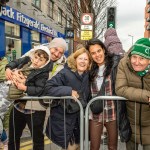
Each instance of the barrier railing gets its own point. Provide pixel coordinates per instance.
(87, 115)
(63, 98)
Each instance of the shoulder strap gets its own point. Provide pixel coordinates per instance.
(102, 90)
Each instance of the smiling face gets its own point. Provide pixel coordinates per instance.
(139, 63)
(82, 63)
(56, 53)
(97, 54)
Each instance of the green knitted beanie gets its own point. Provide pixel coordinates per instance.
(142, 48)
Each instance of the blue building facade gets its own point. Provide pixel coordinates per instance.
(20, 32)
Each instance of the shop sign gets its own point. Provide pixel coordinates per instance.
(13, 15)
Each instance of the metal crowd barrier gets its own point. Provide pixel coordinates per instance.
(87, 115)
(31, 98)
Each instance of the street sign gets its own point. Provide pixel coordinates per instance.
(87, 18)
(86, 35)
(86, 27)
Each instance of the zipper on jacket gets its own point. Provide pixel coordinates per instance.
(141, 114)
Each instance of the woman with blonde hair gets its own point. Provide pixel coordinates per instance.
(73, 80)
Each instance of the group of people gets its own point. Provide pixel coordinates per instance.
(92, 70)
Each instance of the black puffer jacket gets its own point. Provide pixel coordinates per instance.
(36, 79)
(62, 85)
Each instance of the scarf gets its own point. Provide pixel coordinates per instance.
(143, 73)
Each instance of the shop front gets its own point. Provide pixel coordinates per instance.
(19, 33)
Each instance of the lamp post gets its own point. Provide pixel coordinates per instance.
(131, 37)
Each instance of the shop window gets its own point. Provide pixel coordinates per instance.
(50, 8)
(37, 3)
(13, 48)
(12, 29)
(59, 16)
(35, 36)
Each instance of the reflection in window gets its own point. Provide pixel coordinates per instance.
(37, 3)
(12, 29)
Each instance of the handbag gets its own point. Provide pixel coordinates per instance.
(98, 105)
(71, 106)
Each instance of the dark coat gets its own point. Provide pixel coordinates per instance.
(36, 80)
(122, 119)
(62, 85)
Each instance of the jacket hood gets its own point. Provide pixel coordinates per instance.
(41, 47)
(110, 32)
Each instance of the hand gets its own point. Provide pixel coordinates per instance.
(75, 95)
(17, 75)
(19, 85)
(8, 74)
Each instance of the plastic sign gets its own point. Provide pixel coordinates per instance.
(86, 35)
(86, 27)
(87, 18)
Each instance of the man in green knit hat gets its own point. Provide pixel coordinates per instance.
(133, 83)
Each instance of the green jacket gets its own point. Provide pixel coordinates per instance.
(3, 63)
(137, 90)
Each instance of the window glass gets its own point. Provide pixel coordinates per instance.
(37, 3)
(35, 36)
(12, 29)
(51, 8)
(59, 16)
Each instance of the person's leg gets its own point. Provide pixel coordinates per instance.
(130, 145)
(112, 135)
(35, 121)
(146, 147)
(17, 123)
(96, 129)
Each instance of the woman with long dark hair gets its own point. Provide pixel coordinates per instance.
(102, 77)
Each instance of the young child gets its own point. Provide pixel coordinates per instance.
(30, 77)
(26, 70)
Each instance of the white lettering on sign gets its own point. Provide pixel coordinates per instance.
(7, 12)
(27, 21)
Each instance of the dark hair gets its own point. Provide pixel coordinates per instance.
(40, 53)
(108, 59)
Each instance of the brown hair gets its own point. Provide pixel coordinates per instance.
(40, 53)
(72, 59)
